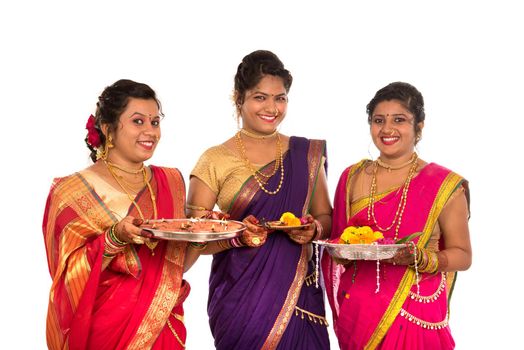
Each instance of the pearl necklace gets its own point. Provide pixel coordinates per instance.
(256, 135)
(403, 199)
(110, 166)
(390, 167)
(279, 163)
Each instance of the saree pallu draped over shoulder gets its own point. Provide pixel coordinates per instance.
(396, 317)
(255, 292)
(128, 304)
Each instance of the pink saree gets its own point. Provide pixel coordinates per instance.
(136, 302)
(396, 317)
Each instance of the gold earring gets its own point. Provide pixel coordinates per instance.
(103, 153)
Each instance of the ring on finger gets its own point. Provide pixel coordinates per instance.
(255, 240)
(138, 240)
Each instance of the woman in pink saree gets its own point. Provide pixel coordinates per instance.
(114, 287)
(399, 194)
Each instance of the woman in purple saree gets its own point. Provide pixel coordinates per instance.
(262, 291)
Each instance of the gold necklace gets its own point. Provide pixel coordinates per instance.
(240, 146)
(403, 199)
(125, 170)
(279, 163)
(150, 244)
(257, 136)
(390, 167)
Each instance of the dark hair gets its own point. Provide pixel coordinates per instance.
(112, 102)
(253, 68)
(406, 94)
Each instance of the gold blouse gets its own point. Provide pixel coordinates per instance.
(223, 172)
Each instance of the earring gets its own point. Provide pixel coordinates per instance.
(103, 153)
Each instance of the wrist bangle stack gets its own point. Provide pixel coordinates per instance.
(427, 261)
(236, 242)
(112, 245)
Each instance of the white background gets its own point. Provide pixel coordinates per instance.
(465, 57)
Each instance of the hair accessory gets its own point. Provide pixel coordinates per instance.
(92, 134)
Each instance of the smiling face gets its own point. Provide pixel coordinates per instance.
(137, 133)
(393, 130)
(265, 106)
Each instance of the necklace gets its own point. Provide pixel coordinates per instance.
(151, 245)
(258, 136)
(279, 163)
(125, 170)
(401, 204)
(390, 167)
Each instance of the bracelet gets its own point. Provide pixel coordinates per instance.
(114, 238)
(236, 242)
(112, 246)
(196, 207)
(319, 231)
(198, 245)
(224, 244)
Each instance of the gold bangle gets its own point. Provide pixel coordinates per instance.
(196, 207)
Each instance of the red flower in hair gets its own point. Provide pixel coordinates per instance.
(92, 134)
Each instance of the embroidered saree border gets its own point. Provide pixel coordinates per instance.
(164, 300)
(286, 312)
(71, 197)
(167, 294)
(248, 190)
(446, 189)
(315, 153)
(354, 169)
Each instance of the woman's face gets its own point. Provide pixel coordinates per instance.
(265, 106)
(393, 130)
(137, 133)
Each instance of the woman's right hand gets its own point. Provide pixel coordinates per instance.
(128, 230)
(254, 235)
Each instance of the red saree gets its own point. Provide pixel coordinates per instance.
(136, 302)
(396, 317)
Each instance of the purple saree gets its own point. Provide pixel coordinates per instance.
(256, 294)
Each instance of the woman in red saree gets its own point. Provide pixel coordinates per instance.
(114, 287)
(262, 293)
(399, 194)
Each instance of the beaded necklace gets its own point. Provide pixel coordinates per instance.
(279, 163)
(403, 199)
(110, 166)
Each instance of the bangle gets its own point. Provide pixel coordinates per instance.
(112, 246)
(236, 242)
(224, 244)
(114, 238)
(198, 245)
(319, 231)
(196, 207)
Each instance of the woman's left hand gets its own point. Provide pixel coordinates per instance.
(305, 234)
(402, 257)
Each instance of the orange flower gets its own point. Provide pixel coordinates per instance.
(290, 219)
(359, 235)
